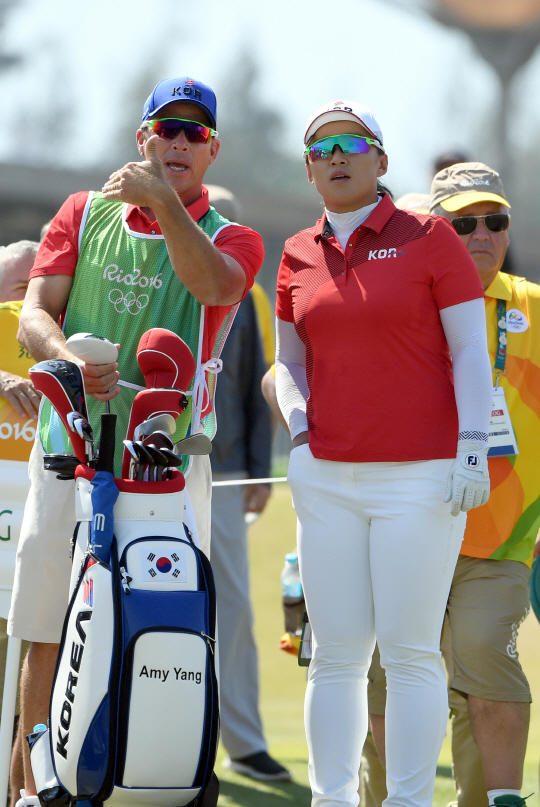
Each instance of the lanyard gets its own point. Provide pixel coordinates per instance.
(500, 358)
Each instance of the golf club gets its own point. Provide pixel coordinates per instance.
(82, 427)
(107, 440)
(134, 458)
(161, 423)
(146, 460)
(159, 463)
(172, 460)
(195, 444)
(147, 404)
(79, 424)
(160, 440)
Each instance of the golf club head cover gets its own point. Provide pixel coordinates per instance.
(165, 360)
(62, 383)
(146, 404)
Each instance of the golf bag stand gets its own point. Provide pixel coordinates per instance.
(134, 717)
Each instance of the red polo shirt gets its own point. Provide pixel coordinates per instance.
(59, 251)
(378, 366)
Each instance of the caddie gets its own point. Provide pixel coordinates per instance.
(489, 598)
(148, 251)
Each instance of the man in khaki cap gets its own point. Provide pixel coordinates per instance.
(489, 598)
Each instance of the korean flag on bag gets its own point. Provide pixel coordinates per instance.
(160, 564)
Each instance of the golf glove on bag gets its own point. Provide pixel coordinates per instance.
(468, 481)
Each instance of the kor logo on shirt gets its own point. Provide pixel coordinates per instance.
(380, 254)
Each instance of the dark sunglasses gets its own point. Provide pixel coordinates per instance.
(169, 128)
(494, 222)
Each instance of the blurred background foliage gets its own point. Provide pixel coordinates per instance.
(439, 74)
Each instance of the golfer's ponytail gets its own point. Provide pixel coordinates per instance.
(381, 188)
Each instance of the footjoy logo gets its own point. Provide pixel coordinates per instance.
(379, 254)
(472, 460)
(72, 681)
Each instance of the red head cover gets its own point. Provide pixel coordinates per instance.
(165, 360)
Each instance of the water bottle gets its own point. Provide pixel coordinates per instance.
(293, 595)
(48, 788)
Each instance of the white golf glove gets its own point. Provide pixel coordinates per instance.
(468, 480)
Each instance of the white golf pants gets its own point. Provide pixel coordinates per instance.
(377, 548)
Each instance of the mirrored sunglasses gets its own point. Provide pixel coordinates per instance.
(494, 222)
(169, 128)
(348, 143)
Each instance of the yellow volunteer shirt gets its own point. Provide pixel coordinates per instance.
(265, 321)
(16, 433)
(506, 527)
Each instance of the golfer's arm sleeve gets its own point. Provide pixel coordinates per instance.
(465, 330)
(291, 380)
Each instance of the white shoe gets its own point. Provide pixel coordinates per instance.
(27, 801)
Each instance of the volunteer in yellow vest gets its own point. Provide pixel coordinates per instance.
(19, 401)
(489, 598)
(490, 594)
(148, 251)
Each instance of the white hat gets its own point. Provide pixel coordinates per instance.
(343, 110)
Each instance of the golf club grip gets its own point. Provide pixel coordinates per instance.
(107, 443)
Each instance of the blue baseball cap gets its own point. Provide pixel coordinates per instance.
(181, 89)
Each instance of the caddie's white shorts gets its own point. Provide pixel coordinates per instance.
(43, 565)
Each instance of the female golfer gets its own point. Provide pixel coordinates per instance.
(384, 378)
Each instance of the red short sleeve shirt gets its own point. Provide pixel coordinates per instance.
(59, 251)
(377, 361)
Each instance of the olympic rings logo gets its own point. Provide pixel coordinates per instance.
(128, 302)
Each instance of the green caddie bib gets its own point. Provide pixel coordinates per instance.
(125, 284)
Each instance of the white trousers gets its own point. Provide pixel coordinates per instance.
(377, 550)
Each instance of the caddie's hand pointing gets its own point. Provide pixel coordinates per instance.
(140, 183)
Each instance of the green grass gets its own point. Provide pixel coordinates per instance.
(283, 682)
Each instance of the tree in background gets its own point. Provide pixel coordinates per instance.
(124, 148)
(253, 151)
(7, 59)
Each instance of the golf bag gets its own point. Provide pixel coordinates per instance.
(134, 708)
(134, 716)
